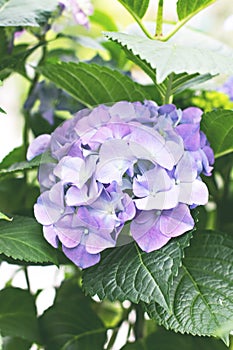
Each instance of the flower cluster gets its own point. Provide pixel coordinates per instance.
(81, 10)
(227, 88)
(131, 163)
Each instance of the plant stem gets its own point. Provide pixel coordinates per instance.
(182, 22)
(34, 82)
(138, 20)
(27, 278)
(139, 323)
(159, 20)
(168, 95)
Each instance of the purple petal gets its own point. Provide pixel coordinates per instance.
(195, 192)
(190, 134)
(129, 209)
(68, 232)
(84, 196)
(152, 181)
(147, 143)
(176, 221)
(123, 110)
(191, 115)
(50, 235)
(50, 205)
(97, 242)
(146, 232)
(81, 257)
(160, 200)
(75, 170)
(38, 146)
(115, 158)
(186, 169)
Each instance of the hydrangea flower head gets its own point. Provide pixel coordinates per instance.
(132, 163)
(80, 9)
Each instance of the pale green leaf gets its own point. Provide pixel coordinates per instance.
(91, 84)
(138, 7)
(22, 239)
(18, 314)
(127, 273)
(218, 127)
(169, 57)
(201, 296)
(178, 82)
(185, 8)
(25, 12)
(5, 217)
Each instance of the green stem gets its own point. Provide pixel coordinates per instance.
(168, 96)
(182, 22)
(34, 82)
(139, 323)
(118, 326)
(27, 278)
(159, 20)
(138, 20)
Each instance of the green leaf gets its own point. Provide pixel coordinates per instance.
(137, 7)
(104, 20)
(71, 324)
(16, 155)
(24, 165)
(91, 84)
(12, 343)
(25, 12)
(127, 273)
(201, 296)
(22, 239)
(18, 314)
(218, 127)
(178, 83)
(5, 217)
(17, 197)
(15, 61)
(170, 57)
(2, 111)
(185, 8)
(172, 341)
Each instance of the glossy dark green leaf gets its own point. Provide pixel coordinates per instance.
(91, 84)
(218, 127)
(13, 343)
(22, 239)
(71, 324)
(201, 296)
(172, 341)
(127, 273)
(18, 314)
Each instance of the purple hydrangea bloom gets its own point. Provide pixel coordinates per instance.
(227, 88)
(131, 163)
(81, 10)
